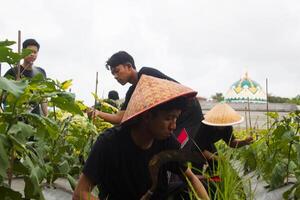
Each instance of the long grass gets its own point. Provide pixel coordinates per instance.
(231, 185)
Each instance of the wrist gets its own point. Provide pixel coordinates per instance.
(150, 192)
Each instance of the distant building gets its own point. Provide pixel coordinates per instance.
(245, 89)
(255, 111)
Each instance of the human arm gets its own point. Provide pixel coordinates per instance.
(44, 106)
(236, 143)
(83, 189)
(197, 185)
(112, 118)
(209, 155)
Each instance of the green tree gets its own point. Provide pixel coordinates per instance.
(218, 97)
(295, 100)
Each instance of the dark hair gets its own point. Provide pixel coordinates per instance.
(113, 95)
(178, 103)
(31, 42)
(121, 57)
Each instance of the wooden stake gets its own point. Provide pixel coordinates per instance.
(96, 92)
(267, 104)
(250, 125)
(19, 52)
(246, 120)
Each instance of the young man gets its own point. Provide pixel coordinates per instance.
(27, 69)
(124, 160)
(123, 69)
(217, 125)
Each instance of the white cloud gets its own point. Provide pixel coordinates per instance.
(206, 45)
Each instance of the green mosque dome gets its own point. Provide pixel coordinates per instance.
(245, 89)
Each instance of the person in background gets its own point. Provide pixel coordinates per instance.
(122, 67)
(27, 69)
(113, 95)
(123, 161)
(217, 125)
(113, 98)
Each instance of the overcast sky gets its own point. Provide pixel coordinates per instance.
(206, 45)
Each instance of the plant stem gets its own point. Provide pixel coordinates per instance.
(288, 163)
(54, 112)
(10, 169)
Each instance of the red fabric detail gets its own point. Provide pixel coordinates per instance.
(183, 137)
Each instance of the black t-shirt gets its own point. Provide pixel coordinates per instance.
(208, 135)
(120, 168)
(189, 119)
(147, 71)
(11, 73)
(26, 73)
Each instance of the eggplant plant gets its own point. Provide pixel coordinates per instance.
(276, 155)
(36, 148)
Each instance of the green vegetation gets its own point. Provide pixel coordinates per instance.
(275, 157)
(38, 148)
(41, 149)
(276, 99)
(218, 97)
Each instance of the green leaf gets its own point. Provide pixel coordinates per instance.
(66, 84)
(297, 192)
(7, 43)
(72, 181)
(288, 135)
(21, 131)
(278, 175)
(3, 124)
(20, 168)
(32, 187)
(43, 125)
(64, 167)
(9, 194)
(17, 144)
(52, 128)
(279, 131)
(4, 161)
(66, 101)
(297, 145)
(16, 88)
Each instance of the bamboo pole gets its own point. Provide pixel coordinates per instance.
(267, 93)
(249, 113)
(246, 120)
(96, 92)
(19, 52)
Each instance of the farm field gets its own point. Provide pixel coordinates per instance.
(41, 151)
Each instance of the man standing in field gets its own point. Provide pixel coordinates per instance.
(28, 70)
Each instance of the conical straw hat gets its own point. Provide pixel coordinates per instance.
(222, 115)
(150, 92)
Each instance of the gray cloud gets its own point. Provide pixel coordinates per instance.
(206, 45)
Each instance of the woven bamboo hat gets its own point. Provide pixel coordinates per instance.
(150, 92)
(222, 115)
